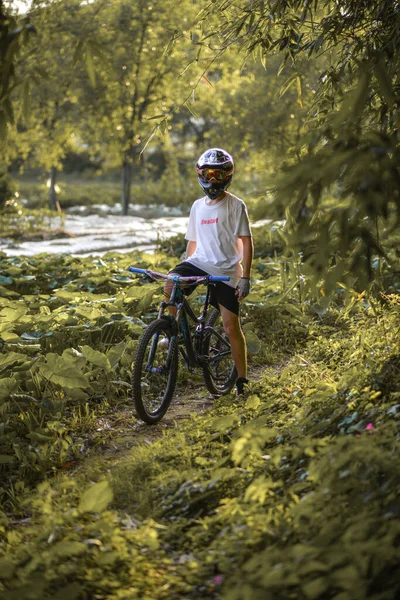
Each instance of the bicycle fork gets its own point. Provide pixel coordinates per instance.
(153, 348)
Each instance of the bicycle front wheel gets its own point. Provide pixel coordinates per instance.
(219, 371)
(155, 371)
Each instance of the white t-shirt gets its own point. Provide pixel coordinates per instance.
(216, 229)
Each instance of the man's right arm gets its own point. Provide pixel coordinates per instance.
(190, 248)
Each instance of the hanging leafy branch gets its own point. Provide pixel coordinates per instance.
(350, 144)
(14, 38)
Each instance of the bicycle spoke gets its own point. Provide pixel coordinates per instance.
(155, 372)
(219, 371)
(155, 376)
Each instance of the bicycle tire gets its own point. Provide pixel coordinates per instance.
(219, 375)
(152, 390)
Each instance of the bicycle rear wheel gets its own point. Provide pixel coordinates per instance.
(219, 372)
(155, 371)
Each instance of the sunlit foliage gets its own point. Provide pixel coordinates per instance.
(292, 492)
(350, 142)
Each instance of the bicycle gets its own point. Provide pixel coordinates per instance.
(203, 345)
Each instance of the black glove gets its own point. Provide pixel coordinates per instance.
(243, 288)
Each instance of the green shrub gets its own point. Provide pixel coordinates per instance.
(72, 193)
(8, 188)
(19, 223)
(78, 192)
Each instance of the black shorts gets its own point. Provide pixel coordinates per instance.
(220, 292)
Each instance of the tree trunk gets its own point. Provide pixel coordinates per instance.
(126, 185)
(53, 202)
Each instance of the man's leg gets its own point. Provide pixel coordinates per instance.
(237, 340)
(183, 269)
(168, 285)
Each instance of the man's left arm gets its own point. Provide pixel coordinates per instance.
(248, 253)
(243, 289)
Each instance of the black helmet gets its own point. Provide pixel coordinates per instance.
(215, 169)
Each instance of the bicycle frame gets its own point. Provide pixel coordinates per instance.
(192, 351)
(185, 314)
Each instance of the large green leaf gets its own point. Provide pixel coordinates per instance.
(96, 498)
(6, 329)
(7, 386)
(68, 295)
(13, 313)
(145, 302)
(96, 357)
(74, 357)
(135, 291)
(9, 336)
(40, 438)
(6, 360)
(89, 312)
(253, 342)
(60, 370)
(9, 315)
(115, 353)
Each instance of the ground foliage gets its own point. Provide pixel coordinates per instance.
(290, 493)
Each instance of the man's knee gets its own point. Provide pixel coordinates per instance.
(232, 325)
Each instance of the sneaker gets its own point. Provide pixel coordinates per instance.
(163, 343)
(241, 382)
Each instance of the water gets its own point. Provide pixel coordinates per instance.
(97, 234)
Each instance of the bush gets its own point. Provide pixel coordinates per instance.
(72, 193)
(8, 188)
(78, 192)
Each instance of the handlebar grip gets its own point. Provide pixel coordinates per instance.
(137, 270)
(219, 278)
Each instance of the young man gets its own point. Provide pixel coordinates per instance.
(219, 240)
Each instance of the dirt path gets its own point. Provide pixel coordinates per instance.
(114, 434)
(117, 432)
(128, 432)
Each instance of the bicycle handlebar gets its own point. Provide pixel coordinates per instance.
(177, 278)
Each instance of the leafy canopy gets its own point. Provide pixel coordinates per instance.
(350, 139)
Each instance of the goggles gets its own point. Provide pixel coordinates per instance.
(209, 174)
